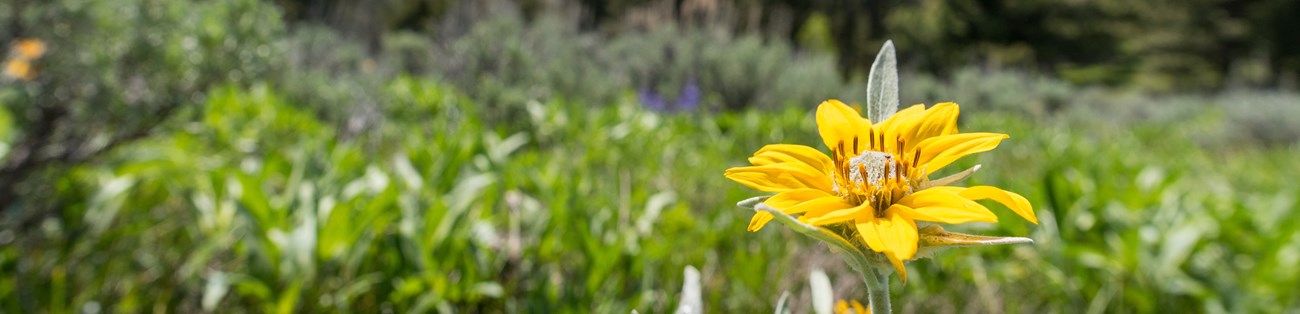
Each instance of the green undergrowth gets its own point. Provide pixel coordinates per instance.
(259, 205)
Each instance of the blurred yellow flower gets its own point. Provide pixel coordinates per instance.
(875, 187)
(19, 63)
(18, 69)
(851, 307)
(29, 48)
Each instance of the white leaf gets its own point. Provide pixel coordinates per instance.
(823, 297)
(690, 299)
(782, 304)
(216, 288)
(882, 85)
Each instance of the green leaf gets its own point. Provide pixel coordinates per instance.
(749, 203)
(933, 237)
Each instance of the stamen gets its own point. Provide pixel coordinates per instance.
(862, 173)
(887, 171)
(844, 174)
(836, 157)
(840, 149)
(916, 157)
(855, 145)
(882, 142)
(888, 198)
(898, 171)
(872, 138)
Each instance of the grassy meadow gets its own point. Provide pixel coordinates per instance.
(526, 186)
(259, 205)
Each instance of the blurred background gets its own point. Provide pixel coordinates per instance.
(548, 156)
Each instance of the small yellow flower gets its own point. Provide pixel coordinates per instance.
(29, 48)
(19, 63)
(18, 69)
(851, 307)
(875, 185)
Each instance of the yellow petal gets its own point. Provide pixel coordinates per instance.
(795, 202)
(898, 266)
(946, 188)
(940, 151)
(895, 236)
(809, 202)
(838, 123)
(829, 215)
(944, 206)
(765, 182)
(859, 309)
(760, 219)
(792, 198)
(1015, 202)
(903, 118)
(897, 232)
(780, 177)
(867, 230)
(899, 125)
(843, 307)
(778, 153)
(816, 207)
(941, 119)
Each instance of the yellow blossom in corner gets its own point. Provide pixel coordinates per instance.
(875, 185)
(851, 307)
(19, 63)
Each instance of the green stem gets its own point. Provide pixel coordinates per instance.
(877, 290)
(875, 271)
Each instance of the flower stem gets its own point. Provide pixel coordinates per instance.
(877, 290)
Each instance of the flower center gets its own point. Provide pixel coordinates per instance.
(870, 175)
(875, 166)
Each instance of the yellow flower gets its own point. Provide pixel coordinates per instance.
(852, 307)
(19, 69)
(874, 186)
(29, 48)
(19, 65)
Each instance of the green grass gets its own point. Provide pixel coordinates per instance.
(260, 206)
